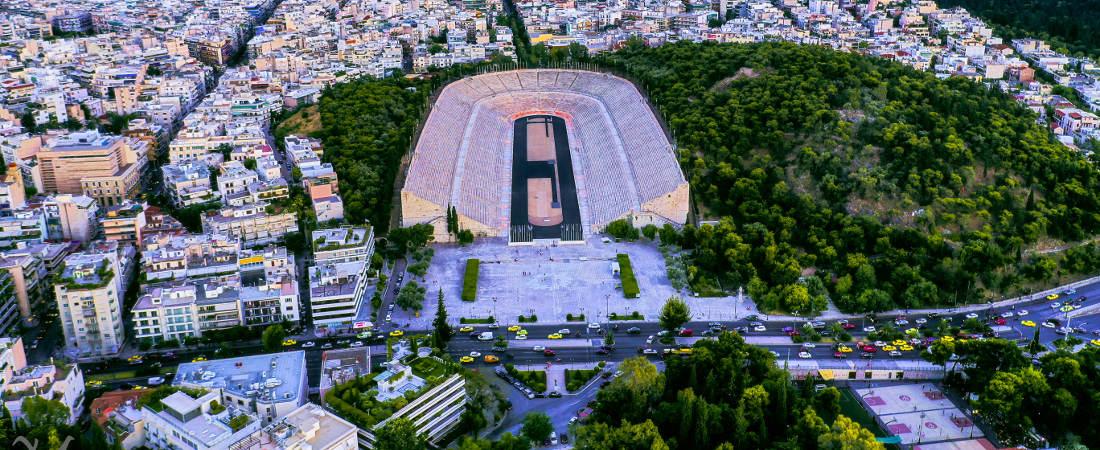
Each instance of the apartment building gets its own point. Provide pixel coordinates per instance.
(124, 222)
(181, 309)
(252, 224)
(60, 382)
(308, 427)
(335, 292)
(203, 423)
(89, 301)
(71, 217)
(106, 168)
(22, 228)
(9, 304)
(30, 268)
(344, 244)
(270, 386)
(12, 189)
(269, 287)
(172, 256)
(188, 183)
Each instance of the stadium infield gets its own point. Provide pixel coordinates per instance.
(544, 191)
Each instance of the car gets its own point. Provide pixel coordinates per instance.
(921, 321)
(901, 322)
(94, 383)
(466, 329)
(491, 359)
(905, 348)
(326, 345)
(356, 344)
(1022, 312)
(1027, 323)
(521, 333)
(1063, 330)
(869, 329)
(686, 332)
(775, 353)
(809, 345)
(389, 318)
(1095, 342)
(948, 338)
(554, 336)
(839, 355)
(199, 358)
(714, 325)
(649, 340)
(663, 333)
(1066, 308)
(564, 331)
(538, 348)
(475, 354)
(309, 344)
(513, 328)
(999, 321)
(573, 420)
(759, 328)
(494, 326)
(1055, 305)
(804, 355)
(1053, 297)
(289, 342)
(866, 355)
(1008, 314)
(849, 326)
(397, 333)
(895, 353)
(633, 330)
(363, 335)
(548, 352)
(844, 349)
(869, 349)
(1049, 324)
(889, 348)
(521, 337)
(972, 316)
(649, 351)
(593, 326)
(136, 359)
(155, 381)
(465, 360)
(879, 343)
(343, 342)
(1070, 291)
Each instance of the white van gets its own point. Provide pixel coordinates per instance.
(485, 336)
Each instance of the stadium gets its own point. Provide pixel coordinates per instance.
(542, 155)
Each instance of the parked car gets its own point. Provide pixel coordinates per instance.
(155, 381)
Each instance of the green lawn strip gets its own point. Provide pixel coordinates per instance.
(534, 379)
(113, 375)
(626, 275)
(851, 407)
(477, 320)
(577, 378)
(632, 316)
(469, 280)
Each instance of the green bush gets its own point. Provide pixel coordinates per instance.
(622, 229)
(571, 318)
(626, 275)
(528, 319)
(469, 281)
(635, 315)
(477, 320)
(576, 379)
(534, 379)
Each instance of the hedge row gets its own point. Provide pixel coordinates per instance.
(528, 319)
(626, 275)
(477, 320)
(571, 318)
(633, 316)
(469, 281)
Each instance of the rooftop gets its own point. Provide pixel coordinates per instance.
(268, 378)
(308, 427)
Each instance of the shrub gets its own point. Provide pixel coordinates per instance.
(571, 318)
(477, 320)
(635, 315)
(576, 379)
(528, 319)
(469, 281)
(626, 275)
(534, 379)
(622, 229)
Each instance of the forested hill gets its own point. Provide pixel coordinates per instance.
(894, 188)
(1073, 24)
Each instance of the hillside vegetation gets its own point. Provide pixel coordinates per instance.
(894, 188)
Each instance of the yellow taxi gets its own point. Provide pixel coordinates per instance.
(491, 359)
(466, 329)
(948, 339)
(905, 348)
(397, 333)
(554, 336)
(899, 342)
(844, 349)
(521, 333)
(95, 383)
(466, 359)
(199, 359)
(514, 328)
(686, 351)
(1066, 308)
(289, 342)
(134, 359)
(1053, 297)
(1095, 342)
(1027, 323)
(139, 387)
(889, 348)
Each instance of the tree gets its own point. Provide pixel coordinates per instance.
(809, 429)
(1035, 346)
(399, 434)
(674, 313)
(411, 297)
(273, 337)
(443, 331)
(40, 412)
(250, 163)
(609, 338)
(7, 424)
(537, 426)
(601, 436)
(848, 435)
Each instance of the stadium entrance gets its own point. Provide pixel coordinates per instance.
(544, 194)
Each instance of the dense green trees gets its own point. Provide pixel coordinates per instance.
(726, 393)
(897, 189)
(537, 426)
(674, 313)
(1059, 22)
(272, 337)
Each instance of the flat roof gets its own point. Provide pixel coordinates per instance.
(275, 377)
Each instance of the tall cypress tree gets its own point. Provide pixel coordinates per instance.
(443, 331)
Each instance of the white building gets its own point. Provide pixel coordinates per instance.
(310, 427)
(335, 292)
(343, 244)
(61, 382)
(271, 386)
(89, 302)
(180, 421)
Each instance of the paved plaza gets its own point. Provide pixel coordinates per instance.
(551, 282)
(918, 413)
